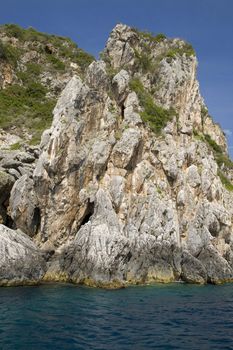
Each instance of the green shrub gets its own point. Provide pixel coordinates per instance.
(33, 69)
(118, 135)
(198, 136)
(172, 53)
(179, 51)
(66, 48)
(31, 73)
(57, 64)
(9, 53)
(26, 107)
(225, 181)
(36, 90)
(83, 59)
(222, 159)
(15, 146)
(104, 57)
(216, 148)
(76, 55)
(160, 37)
(204, 112)
(143, 61)
(14, 30)
(29, 34)
(155, 116)
(150, 36)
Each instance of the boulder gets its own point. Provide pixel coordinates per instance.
(21, 262)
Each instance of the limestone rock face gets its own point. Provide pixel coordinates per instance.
(101, 253)
(21, 262)
(111, 201)
(13, 165)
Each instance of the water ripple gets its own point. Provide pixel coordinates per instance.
(152, 317)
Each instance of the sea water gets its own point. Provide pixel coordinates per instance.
(175, 316)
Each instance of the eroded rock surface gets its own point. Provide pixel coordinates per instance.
(111, 201)
(21, 262)
(13, 165)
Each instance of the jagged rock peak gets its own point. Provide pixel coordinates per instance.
(167, 69)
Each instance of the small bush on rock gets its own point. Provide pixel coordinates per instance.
(225, 181)
(155, 116)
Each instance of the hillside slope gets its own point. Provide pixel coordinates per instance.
(35, 67)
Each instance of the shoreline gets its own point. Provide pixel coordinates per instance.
(110, 287)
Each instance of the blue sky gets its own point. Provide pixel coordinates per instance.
(207, 24)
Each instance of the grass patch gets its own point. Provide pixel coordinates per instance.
(155, 116)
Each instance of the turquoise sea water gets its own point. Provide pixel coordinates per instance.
(175, 316)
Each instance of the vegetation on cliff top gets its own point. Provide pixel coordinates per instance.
(64, 48)
(179, 49)
(26, 106)
(143, 56)
(27, 102)
(156, 38)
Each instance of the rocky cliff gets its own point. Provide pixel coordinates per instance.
(132, 182)
(34, 69)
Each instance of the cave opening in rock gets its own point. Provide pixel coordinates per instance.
(122, 111)
(36, 220)
(88, 213)
(9, 222)
(4, 213)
